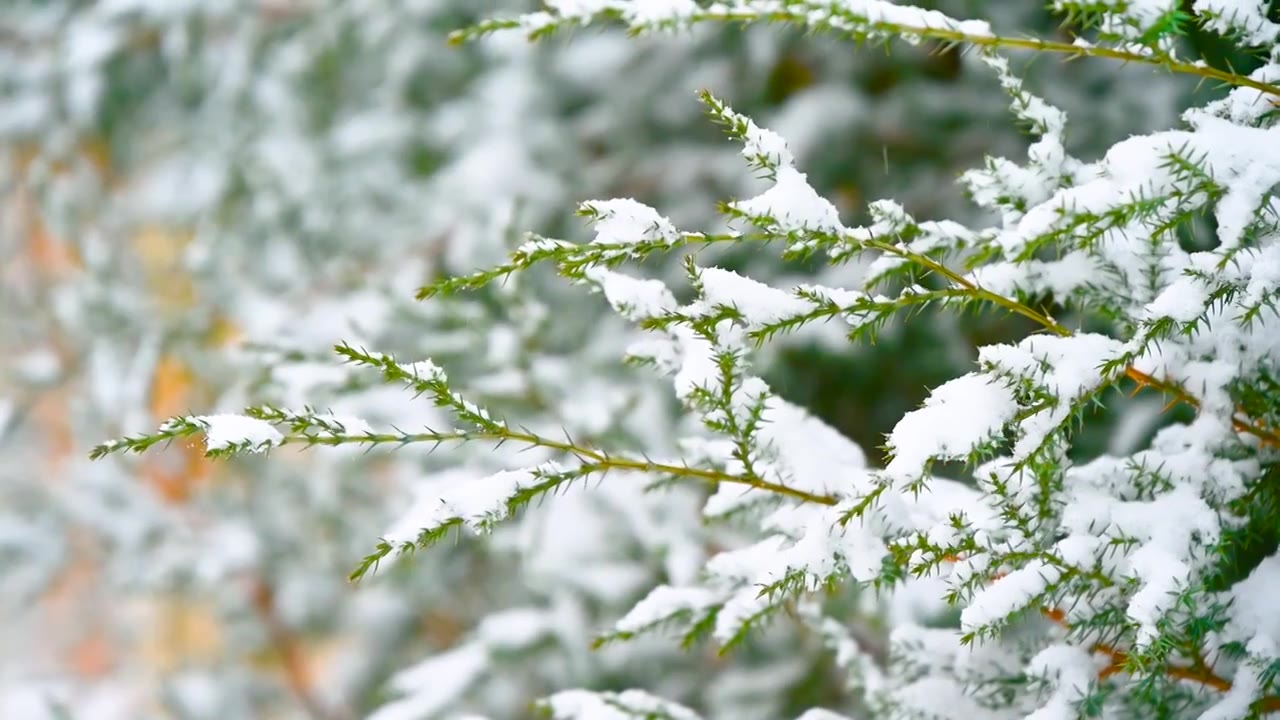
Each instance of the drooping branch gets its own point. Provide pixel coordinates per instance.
(833, 17)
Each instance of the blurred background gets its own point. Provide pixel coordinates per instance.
(198, 198)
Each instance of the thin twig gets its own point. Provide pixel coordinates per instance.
(597, 457)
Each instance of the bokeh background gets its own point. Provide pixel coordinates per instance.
(198, 198)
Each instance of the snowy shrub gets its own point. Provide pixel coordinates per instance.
(995, 564)
(201, 198)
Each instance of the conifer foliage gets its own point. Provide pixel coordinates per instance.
(1127, 585)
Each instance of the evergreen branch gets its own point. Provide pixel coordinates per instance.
(975, 290)
(1240, 424)
(571, 260)
(1073, 50)
(1198, 672)
(862, 28)
(600, 460)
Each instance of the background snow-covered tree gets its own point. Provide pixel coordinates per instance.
(203, 199)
